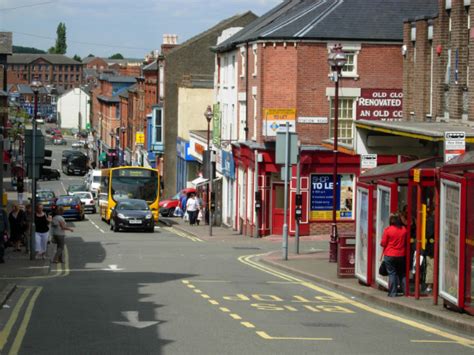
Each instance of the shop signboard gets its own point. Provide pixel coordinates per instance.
(321, 197)
(383, 220)
(449, 239)
(228, 166)
(368, 161)
(380, 105)
(362, 234)
(140, 138)
(454, 144)
(216, 125)
(275, 121)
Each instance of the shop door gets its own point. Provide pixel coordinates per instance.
(278, 211)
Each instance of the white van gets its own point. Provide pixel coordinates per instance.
(94, 181)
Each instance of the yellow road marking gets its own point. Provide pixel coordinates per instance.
(428, 329)
(223, 309)
(191, 286)
(205, 296)
(434, 341)
(247, 324)
(197, 291)
(235, 316)
(66, 261)
(268, 337)
(214, 302)
(184, 235)
(24, 324)
(4, 334)
(212, 281)
(185, 282)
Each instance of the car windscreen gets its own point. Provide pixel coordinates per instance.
(132, 205)
(73, 188)
(67, 200)
(45, 195)
(83, 195)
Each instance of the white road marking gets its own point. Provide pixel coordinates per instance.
(113, 268)
(132, 321)
(95, 225)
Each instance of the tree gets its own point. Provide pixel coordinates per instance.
(90, 55)
(116, 56)
(61, 46)
(21, 49)
(76, 57)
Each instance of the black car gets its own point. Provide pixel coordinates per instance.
(47, 198)
(132, 214)
(50, 174)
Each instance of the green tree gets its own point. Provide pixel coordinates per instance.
(61, 46)
(76, 57)
(90, 55)
(116, 56)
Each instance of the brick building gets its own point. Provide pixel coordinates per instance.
(50, 69)
(282, 71)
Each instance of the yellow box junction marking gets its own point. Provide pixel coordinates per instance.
(247, 260)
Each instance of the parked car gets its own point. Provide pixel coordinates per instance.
(47, 198)
(77, 145)
(49, 174)
(48, 130)
(87, 200)
(168, 206)
(132, 214)
(72, 207)
(59, 140)
(93, 181)
(56, 132)
(51, 118)
(75, 188)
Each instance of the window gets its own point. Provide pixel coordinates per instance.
(158, 126)
(66, 77)
(77, 77)
(225, 67)
(255, 57)
(242, 58)
(54, 77)
(254, 137)
(60, 77)
(345, 120)
(46, 77)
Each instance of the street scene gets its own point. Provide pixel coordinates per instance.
(280, 177)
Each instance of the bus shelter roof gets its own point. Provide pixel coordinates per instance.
(399, 170)
(463, 162)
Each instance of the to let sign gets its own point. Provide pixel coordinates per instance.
(380, 104)
(454, 144)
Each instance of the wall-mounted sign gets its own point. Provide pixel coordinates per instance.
(313, 120)
(368, 161)
(454, 144)
(380, 104)
(139, 138)
(275, 120)
(321, 197)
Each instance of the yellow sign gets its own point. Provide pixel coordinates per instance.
(416, 175)
(139, 138)
(286, 114)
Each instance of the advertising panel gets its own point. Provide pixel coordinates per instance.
(321, 197)
(383, 214)
(275, 121)
(449, 238)
(362, 234)
(380, 105)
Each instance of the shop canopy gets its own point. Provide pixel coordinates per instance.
(399, 170)
(463, 162)
(199, 181)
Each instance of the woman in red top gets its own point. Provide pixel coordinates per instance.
(394, 248)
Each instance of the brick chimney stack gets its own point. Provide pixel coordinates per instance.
(170, 41)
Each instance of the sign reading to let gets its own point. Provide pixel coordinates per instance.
(380, 104)
(454, 144)
(140, 138)
(275, 121)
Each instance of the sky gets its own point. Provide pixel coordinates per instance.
(104, 27)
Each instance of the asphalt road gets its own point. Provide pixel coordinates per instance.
(165, 293)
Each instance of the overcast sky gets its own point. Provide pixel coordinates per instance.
(104, 27)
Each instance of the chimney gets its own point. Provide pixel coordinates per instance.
(169, 42)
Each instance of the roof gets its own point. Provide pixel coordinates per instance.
(117, 78)
(369, 20)
(20, 58)
(109, 99)
(150, 67)
(220, 26)
(431, 131)
(460, 163)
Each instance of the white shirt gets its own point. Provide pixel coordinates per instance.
(192, 204)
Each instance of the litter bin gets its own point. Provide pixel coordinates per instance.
(346, 255)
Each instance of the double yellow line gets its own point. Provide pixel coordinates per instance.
(248, 260)
(184, 235)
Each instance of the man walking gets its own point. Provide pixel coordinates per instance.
(3, 233)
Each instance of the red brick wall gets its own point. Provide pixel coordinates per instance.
(97, 64)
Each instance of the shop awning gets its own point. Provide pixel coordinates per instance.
(462, 162)
(199, 181)
(394, 171)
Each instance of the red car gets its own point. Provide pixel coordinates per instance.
(168, 206)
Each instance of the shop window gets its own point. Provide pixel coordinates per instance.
(345, 120)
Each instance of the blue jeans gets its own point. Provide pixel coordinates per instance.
(396, 274)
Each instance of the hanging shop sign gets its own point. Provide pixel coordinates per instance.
(380, 105)
(216, 125)
(275, 120)
(140, 138)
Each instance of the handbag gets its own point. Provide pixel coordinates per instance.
(383, 269)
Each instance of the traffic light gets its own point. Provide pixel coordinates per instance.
(47, 157)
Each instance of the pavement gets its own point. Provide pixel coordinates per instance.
(312, 264)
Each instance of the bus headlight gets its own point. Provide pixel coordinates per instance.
(149, 216)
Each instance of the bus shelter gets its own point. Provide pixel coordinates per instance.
(456, 232)
(407, 188)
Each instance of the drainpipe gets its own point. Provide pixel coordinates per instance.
(246, 129)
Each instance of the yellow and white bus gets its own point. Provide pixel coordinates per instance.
(126, 182)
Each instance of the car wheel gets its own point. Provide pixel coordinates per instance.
(115, 228)
(151, 230)
(83, 217)
(164, 213)
(94, 211)
(171, 212)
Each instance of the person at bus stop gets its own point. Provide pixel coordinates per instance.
(3, 233)
(393, 244)
(192, 208)
(42, 221)
(20, 189)
(429, 250)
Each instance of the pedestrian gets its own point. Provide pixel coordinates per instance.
(200, 214)
(20, 189)
(42, 221)
(59, 228)
(394, 252)
(3, 233)
(27, 234)
(192, 208)
(429, 250)
(17, 222)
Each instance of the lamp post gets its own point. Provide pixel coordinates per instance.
(208, 114)
(35, 86)
(123, 130)
(336, 59)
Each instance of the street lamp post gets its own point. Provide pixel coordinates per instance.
(123, 130)
(208, 114)
(336, 59)
(35, 86)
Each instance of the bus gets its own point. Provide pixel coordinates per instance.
(125, 182)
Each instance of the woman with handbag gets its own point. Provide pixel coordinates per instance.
(59, 229)
(394, 252)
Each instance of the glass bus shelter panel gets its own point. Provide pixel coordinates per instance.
(469, 264)
(449, 238)
(364, 240)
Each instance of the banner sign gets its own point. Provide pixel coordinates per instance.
(454, 144)
(216, 125)
(275, 121)
(321, 197)
(380, 105)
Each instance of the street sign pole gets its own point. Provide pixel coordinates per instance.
(297, 220)
(285, 206)
(33, 179)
